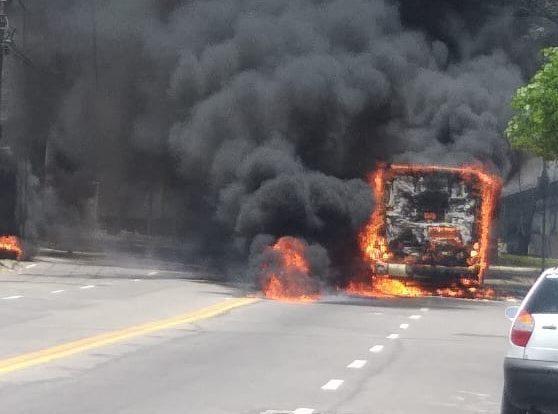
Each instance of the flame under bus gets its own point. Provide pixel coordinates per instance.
(430, 222)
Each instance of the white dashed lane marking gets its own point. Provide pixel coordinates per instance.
(152, 273)
(476, 394)
(377, 349)
(54, 292)
(31, 266)
(357, 364)
(12, 297)
(303, 411)
(332, 385)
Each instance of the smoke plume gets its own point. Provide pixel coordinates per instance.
(248, 118)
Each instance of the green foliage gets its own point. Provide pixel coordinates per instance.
(534, 127)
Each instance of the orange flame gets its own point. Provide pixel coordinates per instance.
(10, 247)
(374, 245)
(384, 287)
(473, 292)
(289, 280)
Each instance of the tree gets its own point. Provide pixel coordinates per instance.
(534, 127)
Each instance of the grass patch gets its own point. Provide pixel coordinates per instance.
(505, 259)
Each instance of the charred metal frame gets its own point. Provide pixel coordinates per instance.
(374, 240)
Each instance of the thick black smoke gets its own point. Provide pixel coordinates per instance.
(255, 116)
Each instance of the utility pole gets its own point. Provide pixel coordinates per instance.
(93, 104)
(7, 46)
(94, 42)
(3, 49)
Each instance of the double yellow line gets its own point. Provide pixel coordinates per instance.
(70, 348)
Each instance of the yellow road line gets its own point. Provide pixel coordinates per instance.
(70, 348)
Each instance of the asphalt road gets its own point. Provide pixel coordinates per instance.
(340, 355)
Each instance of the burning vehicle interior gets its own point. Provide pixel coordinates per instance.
(431, 224)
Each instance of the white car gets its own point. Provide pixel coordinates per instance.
(531, 365)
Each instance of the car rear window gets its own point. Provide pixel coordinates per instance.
(545, 297)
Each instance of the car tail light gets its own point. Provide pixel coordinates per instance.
(522, 329)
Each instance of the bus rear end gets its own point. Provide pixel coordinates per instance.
(431, 223)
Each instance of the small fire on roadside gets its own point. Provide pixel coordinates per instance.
(286, 272)
(10, 248)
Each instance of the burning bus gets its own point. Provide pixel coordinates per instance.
(430, 223)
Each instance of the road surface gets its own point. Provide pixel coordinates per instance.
(124, 340)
